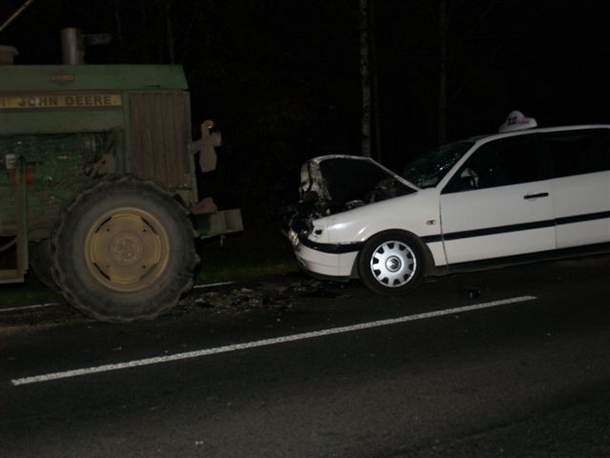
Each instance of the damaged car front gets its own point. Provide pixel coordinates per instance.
(356, 218)
(337, 192)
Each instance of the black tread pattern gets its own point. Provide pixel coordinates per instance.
(58, 273)
(41, 263)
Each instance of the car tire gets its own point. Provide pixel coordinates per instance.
(391, 263)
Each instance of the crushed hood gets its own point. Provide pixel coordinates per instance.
(338, 182)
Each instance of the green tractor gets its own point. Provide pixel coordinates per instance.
(98, 184)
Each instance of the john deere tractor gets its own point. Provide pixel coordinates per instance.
(97, 183)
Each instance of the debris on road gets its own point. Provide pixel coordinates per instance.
(270, 295)
(227, 298)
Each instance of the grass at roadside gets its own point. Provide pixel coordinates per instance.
(245, 256)
(30, 292)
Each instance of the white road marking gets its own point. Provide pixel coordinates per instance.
(212, 285)
(264, 342)
(30, 307)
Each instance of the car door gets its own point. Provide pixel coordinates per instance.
(499, 202)
(581, 187)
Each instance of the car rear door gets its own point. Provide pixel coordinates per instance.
(581, 187)
(499, 202)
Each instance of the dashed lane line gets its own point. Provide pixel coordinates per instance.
(265, 342)
(29, 307)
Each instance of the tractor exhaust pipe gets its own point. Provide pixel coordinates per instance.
(72, 46)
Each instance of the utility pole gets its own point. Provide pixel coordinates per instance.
(365, 79)
(443, 19)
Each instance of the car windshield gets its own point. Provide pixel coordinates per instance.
(428, 169)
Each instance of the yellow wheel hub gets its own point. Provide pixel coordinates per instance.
(127, 249)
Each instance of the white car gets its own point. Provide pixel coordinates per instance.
(524, 193)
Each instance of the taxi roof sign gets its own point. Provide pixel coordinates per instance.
(517, 121)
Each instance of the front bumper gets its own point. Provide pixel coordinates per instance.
(331, 260)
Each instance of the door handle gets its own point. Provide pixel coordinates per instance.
(536, 196)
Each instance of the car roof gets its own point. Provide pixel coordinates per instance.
(515, 133)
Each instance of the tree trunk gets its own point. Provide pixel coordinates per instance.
(375, 105)
(169, 30)
(365, 79)
(442, 76)
(118, 23)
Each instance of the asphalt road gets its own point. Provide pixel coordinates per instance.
(523, 377)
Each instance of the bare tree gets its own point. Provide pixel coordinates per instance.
(118, 21)
(374, 75)
(365, 78)
(169, 33)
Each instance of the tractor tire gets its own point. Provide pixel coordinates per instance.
(124, 250)
(40, 263)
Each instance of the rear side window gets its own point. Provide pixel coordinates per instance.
(579, 152)
(502, 162)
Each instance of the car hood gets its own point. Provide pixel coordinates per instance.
(339, 182)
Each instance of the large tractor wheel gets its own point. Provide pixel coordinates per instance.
(124, 250)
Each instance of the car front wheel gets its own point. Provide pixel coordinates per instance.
(391, 263)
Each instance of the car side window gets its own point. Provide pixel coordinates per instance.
(579, 152)
(502, 162)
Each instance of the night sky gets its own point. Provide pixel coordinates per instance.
(282, 77)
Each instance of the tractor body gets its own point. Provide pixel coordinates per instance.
(65, 128)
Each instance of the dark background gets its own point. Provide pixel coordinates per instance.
(281, 77)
